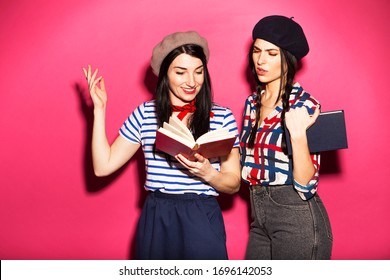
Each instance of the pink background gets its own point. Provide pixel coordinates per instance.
(52, 207)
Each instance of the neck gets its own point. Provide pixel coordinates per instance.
(271, 90)
(188, 108)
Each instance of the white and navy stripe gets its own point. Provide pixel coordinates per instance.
(140, 127)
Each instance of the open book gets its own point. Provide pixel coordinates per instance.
(328, 133)
(175, 138)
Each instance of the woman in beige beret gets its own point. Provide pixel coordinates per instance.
(181, 218)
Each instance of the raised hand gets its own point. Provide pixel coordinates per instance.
(96, 88)
(298, 120)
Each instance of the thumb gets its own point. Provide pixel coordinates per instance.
(314, 117)
(316, 113)
(199, 158)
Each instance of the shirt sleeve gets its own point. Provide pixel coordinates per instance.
(308, 191)
(222, 117)
(231, 124)
(131, 128)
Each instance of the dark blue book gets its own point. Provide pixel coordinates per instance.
(328, 133)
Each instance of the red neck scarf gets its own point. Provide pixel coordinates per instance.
(184, 110)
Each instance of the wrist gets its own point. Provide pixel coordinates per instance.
(211, 176)
(99, 111)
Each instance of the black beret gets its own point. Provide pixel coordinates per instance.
(283, 32)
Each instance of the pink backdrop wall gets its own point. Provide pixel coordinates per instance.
(52, 207)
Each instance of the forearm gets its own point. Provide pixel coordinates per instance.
(228, 179)
(100, 146)
(303, 167)
(226, 182)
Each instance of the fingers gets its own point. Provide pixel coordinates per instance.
(91, 78)
(183, 160)
(102, 86)
(96, 87)
(94, 74)
(94, 83)
(299, 118)
(189, 164)
(88, 73)
(200, 167)
(316, 113)
(314, 117)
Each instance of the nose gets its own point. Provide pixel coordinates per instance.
(191, 82)
(260, 59)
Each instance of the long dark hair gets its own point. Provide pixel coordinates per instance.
(287, 74)
(200, 120)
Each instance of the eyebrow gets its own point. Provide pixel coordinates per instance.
(183, 68)
(271, 49)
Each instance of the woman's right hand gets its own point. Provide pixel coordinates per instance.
(96, 88)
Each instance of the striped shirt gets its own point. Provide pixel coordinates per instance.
(140, 127)
(266, 164)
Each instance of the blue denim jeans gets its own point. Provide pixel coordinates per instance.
(286, 227)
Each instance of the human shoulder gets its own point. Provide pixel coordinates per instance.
(146, 107)
(251, 99)
(219, 108)
(299, 97)
(221, 114)
(250, 103)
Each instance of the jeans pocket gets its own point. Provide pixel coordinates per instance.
(324, 216)
(287, 197)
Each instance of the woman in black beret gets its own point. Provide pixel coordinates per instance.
(289, 220)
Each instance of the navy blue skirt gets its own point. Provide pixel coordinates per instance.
(181, 227)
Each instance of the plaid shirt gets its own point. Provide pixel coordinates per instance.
(265, 164)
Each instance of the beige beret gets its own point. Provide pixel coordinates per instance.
(172, 41)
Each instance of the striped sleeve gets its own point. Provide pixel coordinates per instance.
(224, 118)
(308, 191)
(131, 128)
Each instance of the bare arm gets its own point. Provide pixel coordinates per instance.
(106, 158)
(298, 121)
(227, 180)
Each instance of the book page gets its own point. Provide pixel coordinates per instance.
(214, 135)
(178, 132)
(331, 112)
(177, 136)
(179, 125)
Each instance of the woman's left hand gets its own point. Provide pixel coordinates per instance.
(200, 168)
(298, 121)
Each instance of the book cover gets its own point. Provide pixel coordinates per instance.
(328, 133)
(175, 138)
